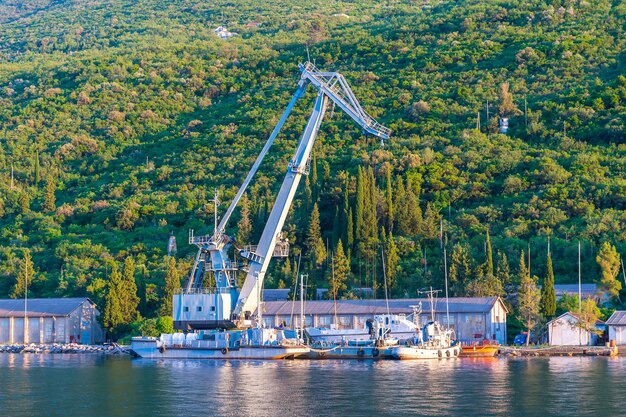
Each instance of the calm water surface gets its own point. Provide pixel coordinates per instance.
(95, 385)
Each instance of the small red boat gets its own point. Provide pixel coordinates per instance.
(480, 349)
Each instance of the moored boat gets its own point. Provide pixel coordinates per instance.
(435, 343)
(254, 343)
(484, 349)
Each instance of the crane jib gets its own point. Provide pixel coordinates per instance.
(224, 305)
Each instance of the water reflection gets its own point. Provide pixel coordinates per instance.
(99, 385)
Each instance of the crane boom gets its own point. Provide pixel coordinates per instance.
(330, 85)
(224, 306)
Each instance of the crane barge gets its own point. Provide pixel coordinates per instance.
(224, 318)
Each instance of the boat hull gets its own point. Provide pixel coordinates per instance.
(483, 351)
(350, 352)
(149, 350)
(416, 352)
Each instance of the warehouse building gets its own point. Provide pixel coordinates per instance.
(50, 320)
(472, 318)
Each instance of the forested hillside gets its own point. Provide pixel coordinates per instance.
(119, 119)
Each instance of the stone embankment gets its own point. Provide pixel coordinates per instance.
(559, 351)
(109, 349)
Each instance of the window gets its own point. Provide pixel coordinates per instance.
(185, 309)
(199, 308)
(212, 308)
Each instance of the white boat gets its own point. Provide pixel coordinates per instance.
(381, 327)
(434, 344)
(256, 343)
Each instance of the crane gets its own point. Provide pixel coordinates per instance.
(225, 306)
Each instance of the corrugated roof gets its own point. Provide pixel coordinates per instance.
(40, 307)
(618, 318)
(327, 307)
(272, 294)
(573, 288)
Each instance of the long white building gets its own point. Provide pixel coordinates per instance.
(472, 318)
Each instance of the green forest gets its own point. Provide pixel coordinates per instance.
(119, 119)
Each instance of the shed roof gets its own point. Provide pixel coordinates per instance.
(41, 307)
(559, 289)
(575, 316)
(618, 318)
(396, 306)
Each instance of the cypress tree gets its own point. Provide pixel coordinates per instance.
(24, 276)
(359, 210)
(502, 271)
(113, 314)
(314, 242)
(392, 259)
(350, 231)
(389, 201)
(314, 179)
(128, 296)
(49, 199)
(339, 273)
(37, 170)
(548, 295)
(244, 226)
(172, 283)
(489, 262)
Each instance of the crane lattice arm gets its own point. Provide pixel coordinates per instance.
(330, 85)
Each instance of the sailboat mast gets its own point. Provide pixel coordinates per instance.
(445, 274)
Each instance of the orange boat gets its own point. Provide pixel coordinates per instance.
(484, 349)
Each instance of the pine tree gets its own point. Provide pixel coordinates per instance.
(608, 259)
(503, 272)
(548, 295)
(24, 276)
(489, 262)
(49, 199)
(113, 314)
(314, 242)
(128, 297)
(339, 273)
(244, 226)
(172, 283)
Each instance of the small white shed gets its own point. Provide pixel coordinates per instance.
(617, 327)
(564, 331)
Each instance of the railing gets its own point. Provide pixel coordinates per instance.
(197, 291)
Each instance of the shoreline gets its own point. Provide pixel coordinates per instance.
(60, 348)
